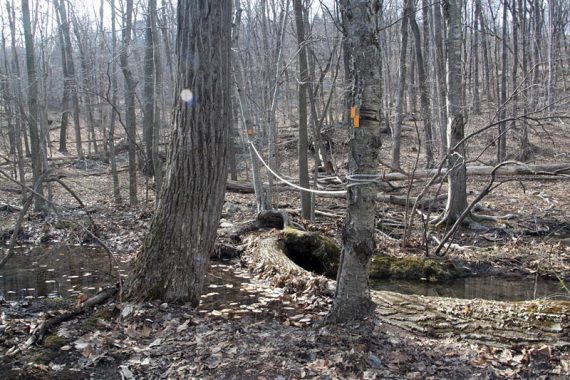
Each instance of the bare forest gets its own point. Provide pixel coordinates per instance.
(283, 189)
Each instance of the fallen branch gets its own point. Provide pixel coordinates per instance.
(40, 332)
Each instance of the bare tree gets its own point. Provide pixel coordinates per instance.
(34, 109)
(303, 86)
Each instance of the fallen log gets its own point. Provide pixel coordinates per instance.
(562, 170)
(493, 323)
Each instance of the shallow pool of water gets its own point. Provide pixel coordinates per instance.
(54, 271)
(490, 288)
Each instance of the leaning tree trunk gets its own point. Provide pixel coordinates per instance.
(352, 298)
(174, 258)
(457, 183)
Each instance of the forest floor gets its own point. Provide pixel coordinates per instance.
(246, 326)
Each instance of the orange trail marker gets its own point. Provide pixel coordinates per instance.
(356, 121)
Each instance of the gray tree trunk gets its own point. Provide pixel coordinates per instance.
(173, 261)
(245, 111)
(114, 97)
(130, 115)
(149, 89)
(302, 104)
(397, 132)
(476, 83)
(71, 78)
(441, 74)
(457, 182)
(34, 108)
(424, 93)
(502, 138)
(352, 297)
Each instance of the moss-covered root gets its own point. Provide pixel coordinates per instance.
(312, 251)
(410, 268)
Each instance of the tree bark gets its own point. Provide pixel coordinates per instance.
(352, 297)
(457, 183)
(424, 93)
(302, 103)
(173, 261)
(397, 133)
(130, 114)
(33, 105)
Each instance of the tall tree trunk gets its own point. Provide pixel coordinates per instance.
(114, 97)
(352, 299)
(149, 89)
(64, 25)
(260, 195)
(302, 104)
(502, 138)
(397, 132)
(18, 97)
(88, 85)
(439, 25)
(424, 93)
(130, 115)
(476, 93)
(34, 108)
(457, 182)
(173, 261)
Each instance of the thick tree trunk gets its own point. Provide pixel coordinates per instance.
(352, 298)
(173, 261)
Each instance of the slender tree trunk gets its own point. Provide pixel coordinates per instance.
(397, 133)
(64, 25)
(302, 104)
(476, 94)
(130, 115)
(245, 111)
(149, 90)
(457, 182)
(173, 261)
(424, 93)
(114, 98)
(502, 138)
(33, 106)
(441, 74)
(18, 97)
(352, 298)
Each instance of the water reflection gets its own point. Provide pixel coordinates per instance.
(54, 271)
(490, 288)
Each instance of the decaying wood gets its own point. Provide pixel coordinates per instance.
(489, 322)
(493, 323)
(40, 332)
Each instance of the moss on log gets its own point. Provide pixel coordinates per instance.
(410, 268)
